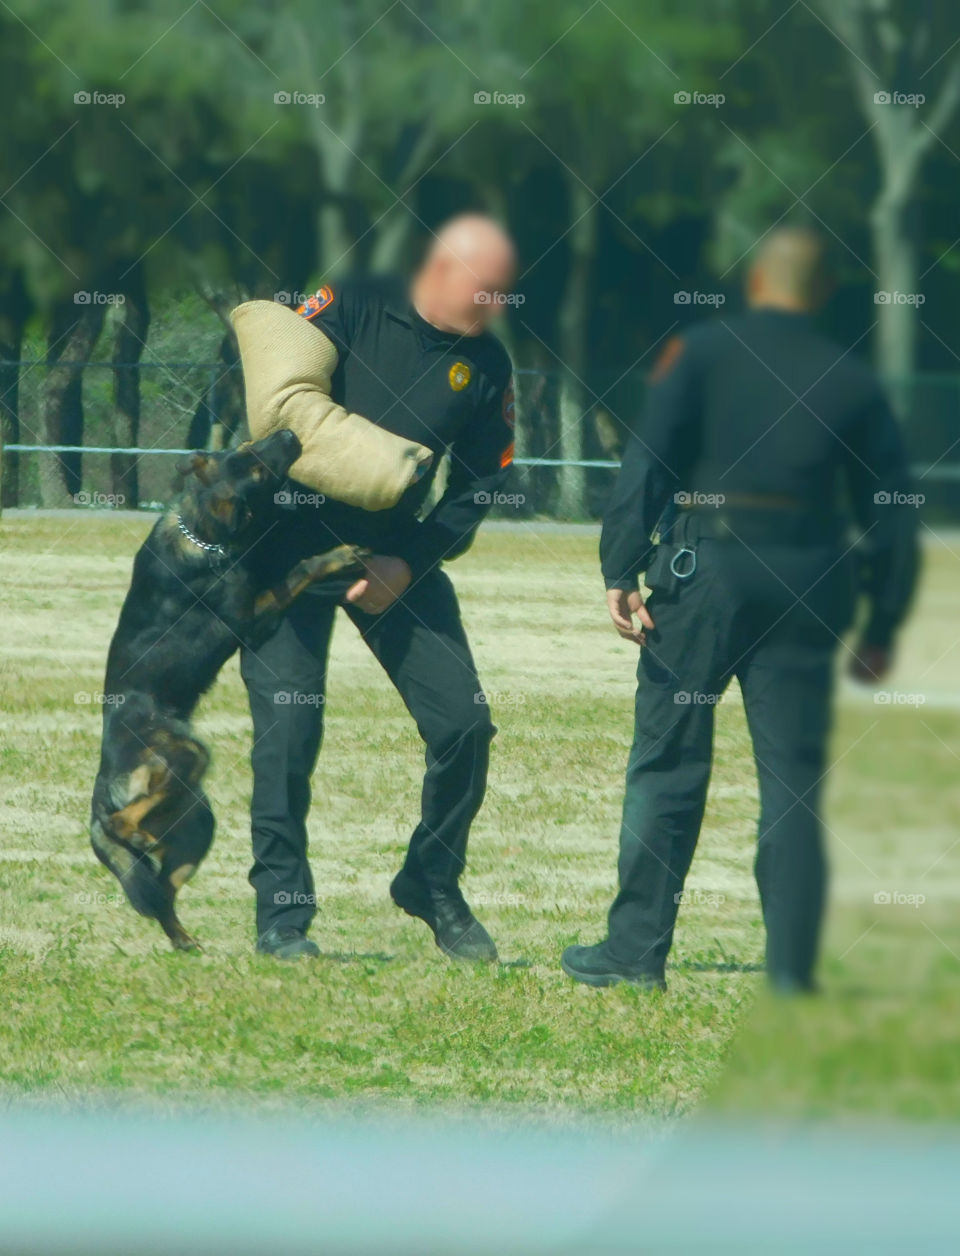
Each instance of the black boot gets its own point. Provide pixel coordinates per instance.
(595, 966)
(285, 942)
(455, 928)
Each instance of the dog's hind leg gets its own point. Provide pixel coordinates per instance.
(157, 840)
(145, 788)
(184, 846)
(135, 870)
(174, 763)
(170, 921)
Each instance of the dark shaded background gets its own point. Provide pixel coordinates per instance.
(160, 160)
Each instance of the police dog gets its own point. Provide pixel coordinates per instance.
(196, 595)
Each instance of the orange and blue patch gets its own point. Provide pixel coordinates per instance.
(319, 301)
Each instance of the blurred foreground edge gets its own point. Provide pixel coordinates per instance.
(124, 1181)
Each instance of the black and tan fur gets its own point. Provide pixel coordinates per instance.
(187, 611)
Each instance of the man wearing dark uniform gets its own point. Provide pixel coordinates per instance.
(417, 361)
(754, 427)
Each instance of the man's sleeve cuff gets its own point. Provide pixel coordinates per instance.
(621, 582)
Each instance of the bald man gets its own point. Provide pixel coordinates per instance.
(754, 428)
(415, 358)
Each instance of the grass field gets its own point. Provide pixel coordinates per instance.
(95, 1001)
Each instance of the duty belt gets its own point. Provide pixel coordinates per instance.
(761, 525)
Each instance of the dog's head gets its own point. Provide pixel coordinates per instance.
(225, 495)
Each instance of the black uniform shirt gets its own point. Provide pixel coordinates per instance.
(448, 392)
(763, 406)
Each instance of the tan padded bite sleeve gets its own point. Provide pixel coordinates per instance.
(288, 364)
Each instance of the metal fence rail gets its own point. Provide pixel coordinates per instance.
(918, 469)
(199, 402)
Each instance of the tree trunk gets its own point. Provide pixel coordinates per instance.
(129, 342)
(14, 308)
(71, 341)
(336, 239)
(896, 259)
(573, 406)
(391, 240)
(902, 137)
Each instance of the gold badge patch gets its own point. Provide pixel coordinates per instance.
(459, 376)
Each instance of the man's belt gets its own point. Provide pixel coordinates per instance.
(757, 520)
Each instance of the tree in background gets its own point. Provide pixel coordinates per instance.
(896, 51)
(208, 179)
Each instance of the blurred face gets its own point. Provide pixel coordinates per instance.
(462, 290)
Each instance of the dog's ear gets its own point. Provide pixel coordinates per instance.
(199, 464)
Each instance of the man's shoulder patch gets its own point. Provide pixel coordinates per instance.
(319, 301)
(670, 355)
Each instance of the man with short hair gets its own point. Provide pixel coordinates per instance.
(753, 425)
(418, 361)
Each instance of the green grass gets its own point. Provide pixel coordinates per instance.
(94, 1000)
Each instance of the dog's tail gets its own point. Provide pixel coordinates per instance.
(136, 871)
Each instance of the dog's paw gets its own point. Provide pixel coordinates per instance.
(342, 558)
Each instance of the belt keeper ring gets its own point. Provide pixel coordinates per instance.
(683, 575)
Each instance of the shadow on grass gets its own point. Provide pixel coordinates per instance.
(715, 966)
(353, 957)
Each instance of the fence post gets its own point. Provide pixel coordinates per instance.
(216, 428)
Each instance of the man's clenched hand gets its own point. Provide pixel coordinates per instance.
(623, 605)
(870, 663)
(385, 579)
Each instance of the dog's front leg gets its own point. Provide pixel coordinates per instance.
(272, 603)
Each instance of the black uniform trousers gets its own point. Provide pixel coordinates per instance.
(421, 645)
(771, 616)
